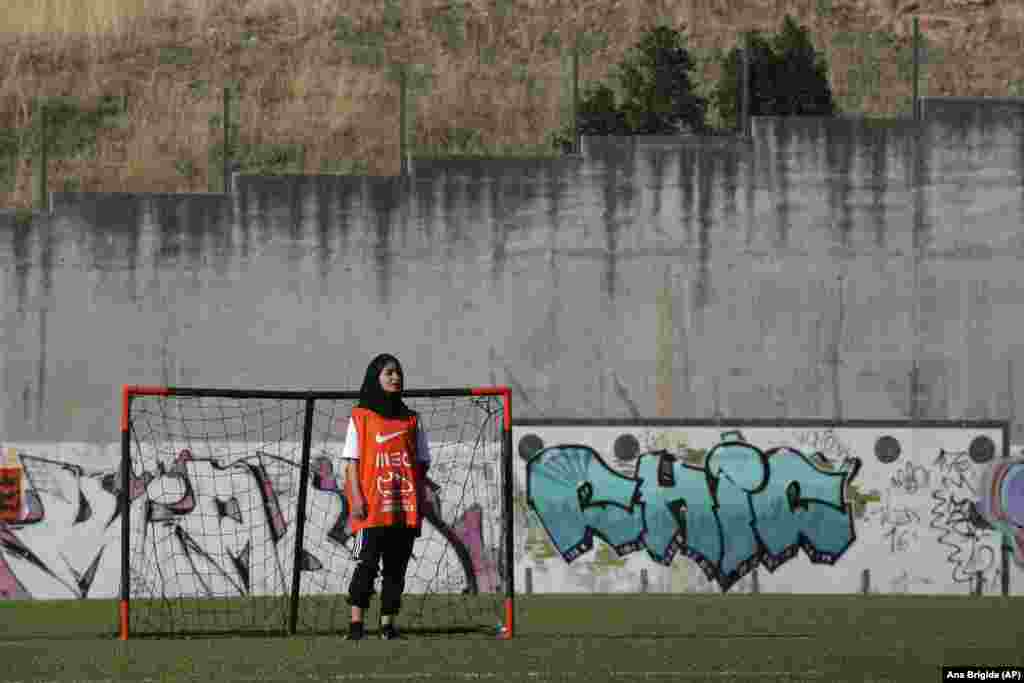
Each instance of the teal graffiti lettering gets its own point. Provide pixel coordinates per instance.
(803, 506)
(577, 495)
(743, 507)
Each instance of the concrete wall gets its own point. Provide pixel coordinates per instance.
(836, 269)
(831, 269)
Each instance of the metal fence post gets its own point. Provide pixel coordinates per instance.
(1005, 578)
(743, 91)
(644, 581)
(227, 156)
(865, 582)
(236, 168)
(403, 99)
(528, 580)
(575, 96)
(40, 198)
(917, 70)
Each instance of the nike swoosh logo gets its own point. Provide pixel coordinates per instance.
(381, 438)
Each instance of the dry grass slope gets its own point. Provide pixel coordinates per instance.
(498, 79)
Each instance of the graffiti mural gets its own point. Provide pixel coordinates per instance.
(212, 526)
(876, 507)
(57, 500)
(921, 511)
(744, 506)
(10, 490)
(1000, 503)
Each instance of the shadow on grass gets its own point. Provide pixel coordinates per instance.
(655, 635)
(280, 633)
(34, 637)
(228, 635)
(408, 632)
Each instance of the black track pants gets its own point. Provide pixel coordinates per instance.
(393, 546)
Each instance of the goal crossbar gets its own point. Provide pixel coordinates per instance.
(309, 399)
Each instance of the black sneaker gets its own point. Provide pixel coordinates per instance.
(389, 632)
(355, 631)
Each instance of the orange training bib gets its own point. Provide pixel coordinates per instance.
(388, 472)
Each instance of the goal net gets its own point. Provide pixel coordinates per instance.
(234, 517)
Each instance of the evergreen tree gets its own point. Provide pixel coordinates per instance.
(657, 92)
(655, 79)
(801, 76)
(787, 76)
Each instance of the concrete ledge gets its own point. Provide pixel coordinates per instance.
(973, 101)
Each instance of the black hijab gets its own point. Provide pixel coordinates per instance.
(373, 397)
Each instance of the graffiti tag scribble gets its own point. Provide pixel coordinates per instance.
(910, 478)
(969, 552)
(899, 526)
(826, 442)
(743, 507)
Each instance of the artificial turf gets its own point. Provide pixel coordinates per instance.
(653, 637)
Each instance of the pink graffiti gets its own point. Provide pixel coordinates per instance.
(111, 483)
(10, 587)
(239, 575)
(163, 512)
(271, 503)
(469, 529)
(324, 479)
(33, 510)
(43, 476)
(9, 583)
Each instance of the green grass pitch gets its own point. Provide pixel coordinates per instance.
(585, 638)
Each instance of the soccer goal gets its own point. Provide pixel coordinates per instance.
(233, 517)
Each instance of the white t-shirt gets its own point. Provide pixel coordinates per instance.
(351, 449)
